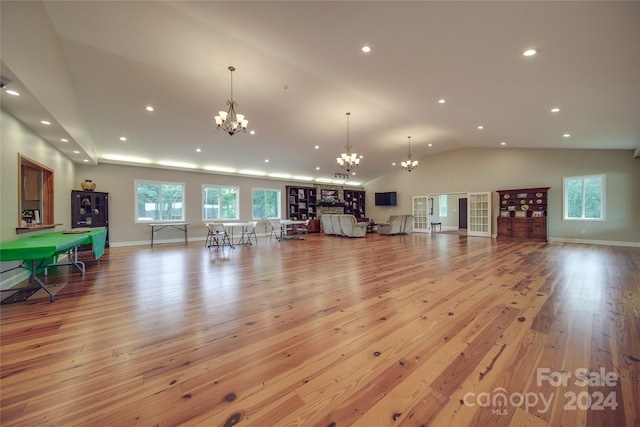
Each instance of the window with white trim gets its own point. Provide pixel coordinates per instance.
(265, 203)
(584, 197)
(159, 201)
(220, 202)
(442, 205)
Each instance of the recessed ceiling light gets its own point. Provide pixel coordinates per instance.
(198, 150)
(480, 127)
(366, 49)
(76, 152)
(555, 110)
(123, 138)
(503, 143)
(64, 140)
(430, 145)
(252, 132)
(266, 160)
(44, 122)
(317, 147)
(566, 135)
(530, 52)
(393, 164)
(12, 92)
(150, 108)
(86, 160)
(442, 101)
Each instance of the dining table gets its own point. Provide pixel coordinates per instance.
(40, 252)
(244, 229)
(294, 224)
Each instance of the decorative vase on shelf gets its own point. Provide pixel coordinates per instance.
(88, 185)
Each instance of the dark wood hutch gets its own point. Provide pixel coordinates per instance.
(523, 214)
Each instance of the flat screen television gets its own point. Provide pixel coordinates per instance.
(386, 199)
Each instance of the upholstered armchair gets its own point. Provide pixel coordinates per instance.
(327, 225)
(351, 227)
(398, 224)
(335, 222)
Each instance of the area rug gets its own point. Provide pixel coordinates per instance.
(26, 291)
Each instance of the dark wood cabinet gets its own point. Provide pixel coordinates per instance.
(523, 213)
(90, 209)
(302, 203)
(355, 203)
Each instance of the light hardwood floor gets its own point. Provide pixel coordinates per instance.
(330, 331)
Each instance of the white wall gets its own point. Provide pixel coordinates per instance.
(118, 181)
(16, 138)
(450, 172)
(477, 169)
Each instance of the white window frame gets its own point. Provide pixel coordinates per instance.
(220, 187)
(150, 220)
(565, 198)
(279, 207)
(443, 208)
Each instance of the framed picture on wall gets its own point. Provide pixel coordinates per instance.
(329, 194)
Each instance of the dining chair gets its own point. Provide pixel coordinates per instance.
(303, 229)
(218, 236)
(251, 231)
(276, 230)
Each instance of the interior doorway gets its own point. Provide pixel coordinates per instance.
(444, 213)
(462, 213)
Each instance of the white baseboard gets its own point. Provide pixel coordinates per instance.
(8, 281)
(595, 242)
(11, 278)
(161, 241)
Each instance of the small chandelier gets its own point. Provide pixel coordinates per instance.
(409, 165)
(229, 121)
(348, 160)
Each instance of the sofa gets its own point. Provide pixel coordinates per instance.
(343, 225)
(397, 224)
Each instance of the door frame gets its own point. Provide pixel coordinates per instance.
(462, 194)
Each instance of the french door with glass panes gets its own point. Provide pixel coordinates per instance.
(479, 214)
(420, 213)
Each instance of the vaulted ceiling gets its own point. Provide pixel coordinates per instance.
(91, 69)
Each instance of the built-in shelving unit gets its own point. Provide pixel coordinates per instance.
(355, 203)
(301, 203)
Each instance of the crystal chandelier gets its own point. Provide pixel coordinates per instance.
(348, 160)
(229, 121)
(409, 165)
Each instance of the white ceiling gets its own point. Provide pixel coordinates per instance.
(300, 69)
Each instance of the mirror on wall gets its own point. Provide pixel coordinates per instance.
(35, 193)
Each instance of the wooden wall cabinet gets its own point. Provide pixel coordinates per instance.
(523, 213)
(354, 203)
(302, 203)
(90, 209)
(32, 183)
